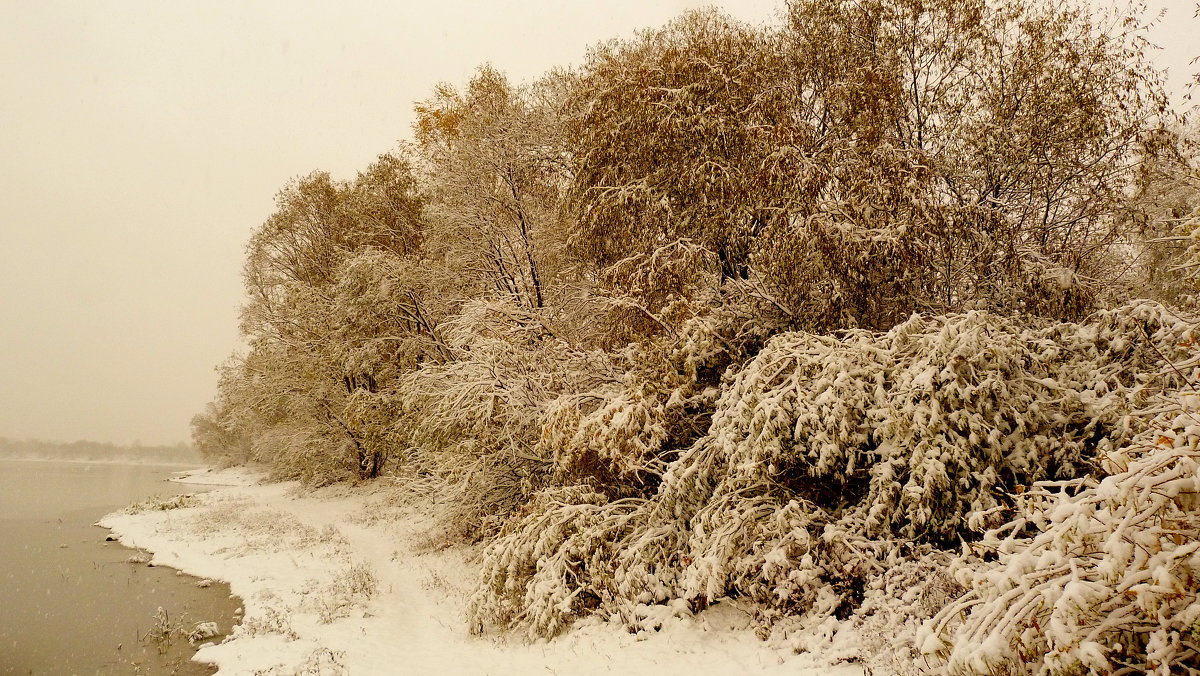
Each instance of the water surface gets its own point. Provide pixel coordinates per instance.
(71, 603)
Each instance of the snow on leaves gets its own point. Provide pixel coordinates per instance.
(829, 457)
(1093, 576)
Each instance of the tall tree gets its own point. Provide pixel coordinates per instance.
(871, 159)
(496, 175)
(313, 345)
(675, 135)
(1009, 133)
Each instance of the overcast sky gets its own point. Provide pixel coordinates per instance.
(141, 142)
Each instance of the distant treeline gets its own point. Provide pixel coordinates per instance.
(95, 451)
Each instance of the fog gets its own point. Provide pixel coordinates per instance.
(141, 142)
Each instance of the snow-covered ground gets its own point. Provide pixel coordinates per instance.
(340, 583)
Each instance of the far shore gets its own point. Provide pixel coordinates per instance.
(195, 465)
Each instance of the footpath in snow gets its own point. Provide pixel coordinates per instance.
(339, 582)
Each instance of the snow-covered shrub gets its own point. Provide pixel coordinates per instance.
(271, 620)
(881, 634)
(476, 420)
(621, 436)
(830, 458)
(555, 565)
(202, 631)
(895, 606)
(1093, 576)
(320, 662)
(611, 434)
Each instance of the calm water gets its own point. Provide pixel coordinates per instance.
(71, 603)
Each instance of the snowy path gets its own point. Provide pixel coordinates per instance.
(301, 565)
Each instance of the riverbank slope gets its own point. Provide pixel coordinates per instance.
(345, 582)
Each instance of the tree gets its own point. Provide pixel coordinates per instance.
(1163, 218)
(314, 342)
(495, 176)
(873, 159)
(674, 135)
(1002, 141)
(216, 436)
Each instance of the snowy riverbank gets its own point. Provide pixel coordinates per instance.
(337, 583)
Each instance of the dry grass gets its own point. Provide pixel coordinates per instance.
(352, 587)
(156, 503)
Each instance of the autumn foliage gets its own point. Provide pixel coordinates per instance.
(844, 316)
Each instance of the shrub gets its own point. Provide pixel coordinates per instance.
(829, 458)
(1093, 576)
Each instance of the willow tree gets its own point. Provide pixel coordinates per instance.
(1009, 132)
(313, 348)
(675, 135)
(495, 178)
(872, 159)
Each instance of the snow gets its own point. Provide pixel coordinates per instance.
(337, 582)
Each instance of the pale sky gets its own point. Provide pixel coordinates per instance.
(141, 143)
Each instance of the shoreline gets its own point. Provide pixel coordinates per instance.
(335, 581)
(65, 577)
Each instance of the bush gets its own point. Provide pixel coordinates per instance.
(1093, 576)
(829, 458)
(476, 421)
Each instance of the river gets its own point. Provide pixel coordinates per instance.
(72, 603)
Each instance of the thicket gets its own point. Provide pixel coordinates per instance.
(801, 314)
